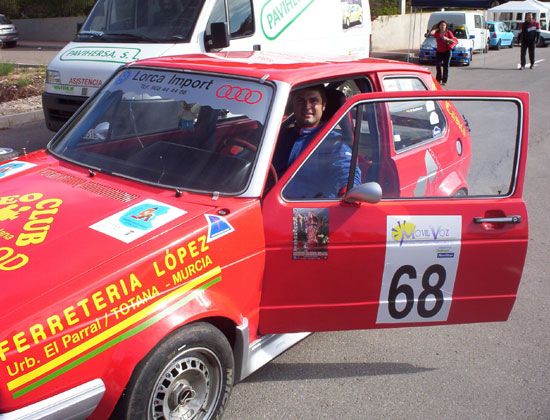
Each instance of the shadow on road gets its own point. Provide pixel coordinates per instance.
(301, 371)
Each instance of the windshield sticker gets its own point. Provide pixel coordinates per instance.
(310, 234)
(34, 216)
(239, 97)
(14, 167)
(138, 220)
(422, 255)
(106, 54)
(277, 16)
(218, 226)
(101, 316)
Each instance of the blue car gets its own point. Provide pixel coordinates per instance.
(461, 54)
(500, 35)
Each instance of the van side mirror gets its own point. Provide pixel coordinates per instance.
(219, 36)
(472, 37)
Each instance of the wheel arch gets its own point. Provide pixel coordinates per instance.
(224, 324)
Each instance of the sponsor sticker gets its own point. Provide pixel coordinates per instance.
(218, 226)
(137, 221)
(108, 54)
(422, 255)
(14, 167)
(310, 234)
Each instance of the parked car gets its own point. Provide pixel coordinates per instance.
(500, 35)
(462, 53)
(153, 255)
(8, 33)
(352, 13)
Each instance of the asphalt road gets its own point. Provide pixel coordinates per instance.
(481, 371)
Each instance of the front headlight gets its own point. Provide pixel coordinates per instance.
(53, 76)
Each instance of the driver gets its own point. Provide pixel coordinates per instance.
(325, 173)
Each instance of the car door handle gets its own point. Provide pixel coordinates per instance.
(510, 219)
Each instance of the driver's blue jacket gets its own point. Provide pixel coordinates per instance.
(325, 173)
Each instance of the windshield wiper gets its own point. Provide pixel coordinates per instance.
(137, 37)
(92, 34)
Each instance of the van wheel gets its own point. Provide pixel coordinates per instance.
(189, 375)
(486, 48)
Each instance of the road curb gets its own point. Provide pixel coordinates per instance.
(15, 120)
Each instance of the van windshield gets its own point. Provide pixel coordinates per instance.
(141, 21)
(188, 131)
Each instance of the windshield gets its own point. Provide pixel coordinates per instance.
(141, 21)
(460, 33)
(186, 131)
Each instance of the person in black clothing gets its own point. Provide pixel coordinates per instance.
(528, 36)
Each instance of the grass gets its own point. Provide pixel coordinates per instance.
(23, 81)
(6, 68)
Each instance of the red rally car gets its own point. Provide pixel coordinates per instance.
(154, 254)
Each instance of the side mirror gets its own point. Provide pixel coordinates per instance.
(370, 192)
(219, 36)
(472, 37)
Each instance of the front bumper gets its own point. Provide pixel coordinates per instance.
(9, 37)
(76, 403)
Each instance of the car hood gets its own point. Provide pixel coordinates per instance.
(57, 223)
(430, 43)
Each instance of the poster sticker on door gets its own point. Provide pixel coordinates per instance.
(310, 234)
(422, 254)
(138, 220)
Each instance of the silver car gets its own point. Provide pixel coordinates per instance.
(8, 32)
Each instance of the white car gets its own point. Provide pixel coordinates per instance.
(8, 33)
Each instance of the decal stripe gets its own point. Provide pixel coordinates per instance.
(134, 319)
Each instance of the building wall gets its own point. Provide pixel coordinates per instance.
(396, 32)
(48, 29)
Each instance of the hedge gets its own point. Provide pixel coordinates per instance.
(18, 9)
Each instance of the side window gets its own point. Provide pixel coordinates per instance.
(241, 18)
(478, 21)
(395, 84)
(461, 148)
(414, 122)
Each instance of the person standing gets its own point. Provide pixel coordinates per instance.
(528, 37)
(445, 41)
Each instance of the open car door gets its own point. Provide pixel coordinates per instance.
(446, 246)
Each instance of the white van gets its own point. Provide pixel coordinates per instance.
(474, 21)
(119, 31)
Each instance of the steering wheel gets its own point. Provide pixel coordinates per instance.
(236, 141)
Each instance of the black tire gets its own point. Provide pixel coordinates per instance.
(10, 44)
(188, 375)
(486, 48)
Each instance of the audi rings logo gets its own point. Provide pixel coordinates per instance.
(239, 94)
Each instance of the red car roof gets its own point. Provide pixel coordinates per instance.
(292, 69)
